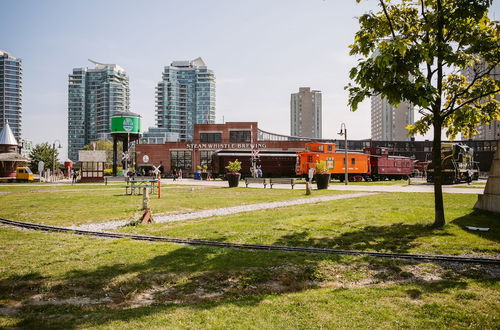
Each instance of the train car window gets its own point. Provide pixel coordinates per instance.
(353, 161)
(320, 148)
(329, 148)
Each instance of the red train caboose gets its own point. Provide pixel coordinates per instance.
(385, 167)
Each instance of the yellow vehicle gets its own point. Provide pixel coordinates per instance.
(24, 174)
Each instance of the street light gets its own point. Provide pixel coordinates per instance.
(54, 155)
(343, 131)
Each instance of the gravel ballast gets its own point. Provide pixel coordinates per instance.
(221, 211)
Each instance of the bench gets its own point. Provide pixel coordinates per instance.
(264, 181)
(282, 181)
(137, 185)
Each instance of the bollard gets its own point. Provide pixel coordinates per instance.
(147, 217)
(159, 186)
(145, 198)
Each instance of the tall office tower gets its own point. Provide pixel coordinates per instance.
(11, 75)
(388, 123)
(305, 113)
(490, 131)
(94, 95)
(184, 97)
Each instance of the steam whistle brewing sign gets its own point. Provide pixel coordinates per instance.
(126, 124)
(195, 146)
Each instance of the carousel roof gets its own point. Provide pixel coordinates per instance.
(6, 136)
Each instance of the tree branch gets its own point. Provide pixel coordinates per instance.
(474, 79)
(450, 111)
(388, 18)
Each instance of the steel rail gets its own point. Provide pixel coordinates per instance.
(391, 255)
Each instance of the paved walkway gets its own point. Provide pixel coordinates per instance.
(418, 186)
(222, 211)
(372, 187)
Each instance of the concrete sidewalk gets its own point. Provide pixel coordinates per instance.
(372, 187)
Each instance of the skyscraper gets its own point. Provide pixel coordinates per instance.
(184, 97)
(94, 95)
(489, 131)
(11, 75)
(305, 113)
(388, 123)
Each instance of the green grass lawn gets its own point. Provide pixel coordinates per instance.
(397, 222)
(50, 280)
(80, 204)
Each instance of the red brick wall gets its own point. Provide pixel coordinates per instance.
(161, 152)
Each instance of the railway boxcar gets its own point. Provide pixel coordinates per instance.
(457, 161)
(358, 163)
(272, 163)
(385, 167)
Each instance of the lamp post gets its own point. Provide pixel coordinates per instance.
(343, 131)
(54, 155)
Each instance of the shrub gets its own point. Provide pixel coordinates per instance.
(234, 167)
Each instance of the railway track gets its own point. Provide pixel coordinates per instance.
(422, 257)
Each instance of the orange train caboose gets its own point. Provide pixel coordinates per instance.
(358, 163)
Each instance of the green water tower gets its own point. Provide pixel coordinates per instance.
(125, 127)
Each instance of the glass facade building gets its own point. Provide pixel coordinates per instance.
(94, 95)
(11, 92)
(185, 97)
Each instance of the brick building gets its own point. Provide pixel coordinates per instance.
(209, 138)
(245, 136)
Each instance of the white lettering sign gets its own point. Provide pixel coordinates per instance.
(195, 146)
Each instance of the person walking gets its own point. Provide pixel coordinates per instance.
(75, 176)
(310, 174)
(259, 172)
(469, 176)
(179, 174)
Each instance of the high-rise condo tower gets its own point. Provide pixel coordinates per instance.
(185, 96)
(94, 95)
(11, 74)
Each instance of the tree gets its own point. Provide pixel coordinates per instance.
(46, 153)
(420, 50)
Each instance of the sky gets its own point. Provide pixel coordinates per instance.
(261, 51)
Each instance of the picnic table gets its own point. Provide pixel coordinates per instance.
(134, 186)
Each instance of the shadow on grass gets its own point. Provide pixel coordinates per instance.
(483, 219)
(397, 237)
(201, 278)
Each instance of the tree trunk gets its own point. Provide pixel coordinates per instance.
(439, 219)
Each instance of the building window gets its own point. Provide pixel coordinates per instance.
(239, 136)
(210, 137)
(206, 158)
(180, 159)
